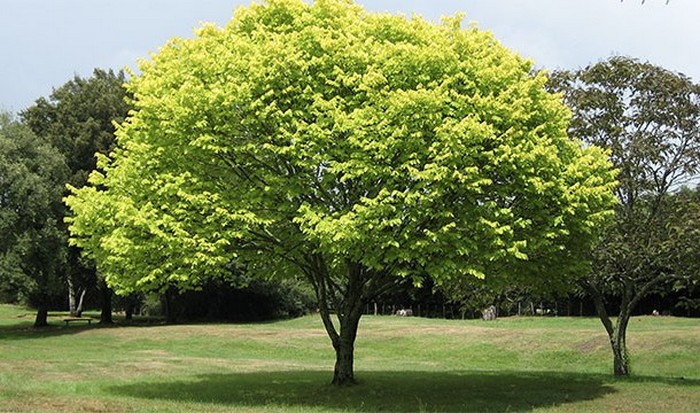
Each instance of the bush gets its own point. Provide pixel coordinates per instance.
(258, 301)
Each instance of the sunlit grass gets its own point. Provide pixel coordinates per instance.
(403, 364)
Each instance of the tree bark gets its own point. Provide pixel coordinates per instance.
(106, 304)
(42, 315)
(344, 371)
(348, 312)
(621, 366)
(170, 305)
(617, 332)
(129, 308)
(71, 297)
(79, 308)
(618, 341)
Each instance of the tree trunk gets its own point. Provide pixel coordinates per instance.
(71, 297)
(129, 308)
(618, 342)
(106, 305)
(617, 332)
(621, 365)
(75, 298)
(42, 315)
(170, 309)
(79, 308)
(344, 373)
(348, 311)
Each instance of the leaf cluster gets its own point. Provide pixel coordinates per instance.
(78, 119)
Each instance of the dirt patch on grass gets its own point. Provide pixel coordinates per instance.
(52, 404)
(256, 365)
(590, 345)
(144, 367)
(171, 365)
(419, 330)
(219, 331)
(159, 353)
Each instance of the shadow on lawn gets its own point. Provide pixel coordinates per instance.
(24, 328)
(380, 391)
(27, 331)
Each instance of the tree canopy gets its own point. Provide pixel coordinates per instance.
(353, 148)
(78, 119)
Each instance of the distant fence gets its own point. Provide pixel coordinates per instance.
(567, 307)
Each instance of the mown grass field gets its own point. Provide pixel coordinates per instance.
(404, 365)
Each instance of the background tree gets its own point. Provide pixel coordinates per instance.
(353, 148)
(33, 244)
(649, 119)
(684, 246)
(78, 119)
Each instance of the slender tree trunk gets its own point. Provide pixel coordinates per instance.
(81, 300)
(42, 315)
(71, 297)
(170, 305)
(106, 304)
(617, 332)
(618, 341)
(75, 298)
(130, 307)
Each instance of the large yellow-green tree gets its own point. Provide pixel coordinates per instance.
(349, 147)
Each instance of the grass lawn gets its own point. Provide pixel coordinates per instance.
(403, 364)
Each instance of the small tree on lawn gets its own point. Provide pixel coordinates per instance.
(354, 148)
(649, 119)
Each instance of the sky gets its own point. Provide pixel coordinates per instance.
(45, 43)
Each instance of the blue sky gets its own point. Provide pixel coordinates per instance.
(43, 43)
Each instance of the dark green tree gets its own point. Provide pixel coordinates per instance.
(649, 118)
(684, 246)
(33, 242)
(78, 119)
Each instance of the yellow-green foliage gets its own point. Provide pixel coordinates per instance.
(326, 130)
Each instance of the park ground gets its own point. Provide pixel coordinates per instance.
(533, 364)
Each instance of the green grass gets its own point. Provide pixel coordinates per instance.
(403, 364)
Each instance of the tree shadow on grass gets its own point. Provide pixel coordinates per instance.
(380, 391)
(25, 330)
